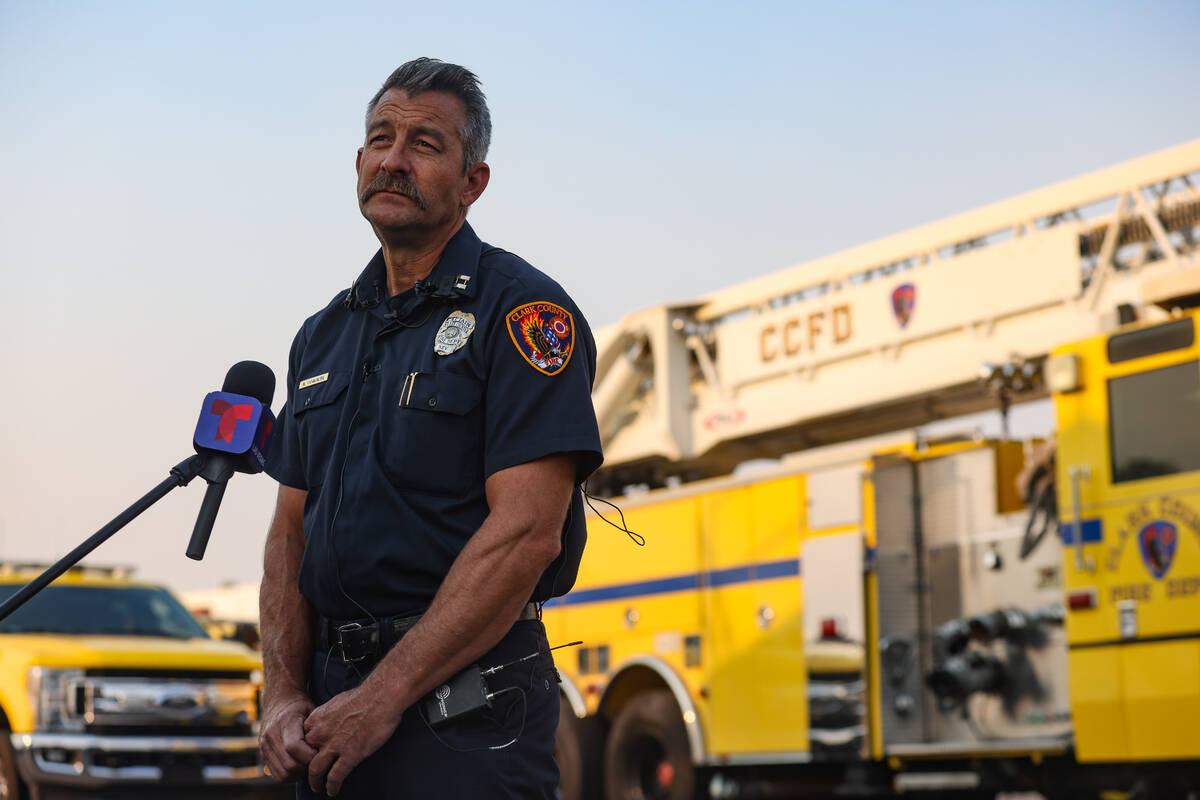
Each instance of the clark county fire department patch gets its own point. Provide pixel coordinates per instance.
(544, 335)
(1157, 541)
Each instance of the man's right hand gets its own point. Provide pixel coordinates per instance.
(281, 739)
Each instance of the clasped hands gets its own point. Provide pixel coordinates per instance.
(322, 744)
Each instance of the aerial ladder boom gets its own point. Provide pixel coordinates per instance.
(894, 333)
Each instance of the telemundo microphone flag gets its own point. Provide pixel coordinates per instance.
(236, 424)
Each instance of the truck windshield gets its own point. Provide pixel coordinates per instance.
(1155, 422)
(101, 610)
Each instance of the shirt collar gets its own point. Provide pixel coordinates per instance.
(453, 277)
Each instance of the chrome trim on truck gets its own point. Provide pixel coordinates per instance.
(31, 750)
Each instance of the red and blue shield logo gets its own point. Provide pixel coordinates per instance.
(1158, 541)
(904, 300)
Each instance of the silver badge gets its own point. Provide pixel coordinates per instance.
(454, 333)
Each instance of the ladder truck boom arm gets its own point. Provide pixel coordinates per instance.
(894, 333)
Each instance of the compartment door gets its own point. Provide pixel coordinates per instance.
(758, 686)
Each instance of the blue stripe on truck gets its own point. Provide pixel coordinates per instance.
(1091, 531)
(760, 571)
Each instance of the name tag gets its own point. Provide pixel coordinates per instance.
(314, 380)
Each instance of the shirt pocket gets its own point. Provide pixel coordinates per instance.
(431, 430)
(318, 411)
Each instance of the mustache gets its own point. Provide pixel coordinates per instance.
(396, 182)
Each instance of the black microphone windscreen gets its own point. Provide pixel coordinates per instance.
(252, 379)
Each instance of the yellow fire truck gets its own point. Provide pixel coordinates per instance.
(874, 613)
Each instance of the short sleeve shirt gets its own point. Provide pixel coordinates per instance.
(398, 410)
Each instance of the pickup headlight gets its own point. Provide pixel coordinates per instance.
(53, 695)
(256, 678)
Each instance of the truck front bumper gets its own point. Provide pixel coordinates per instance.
(89, 760)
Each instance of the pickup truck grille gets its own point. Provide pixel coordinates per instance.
(166, 702)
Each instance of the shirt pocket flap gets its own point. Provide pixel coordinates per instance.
(321, 394)
(450, 394)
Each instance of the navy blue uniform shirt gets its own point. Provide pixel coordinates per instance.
(399, 409)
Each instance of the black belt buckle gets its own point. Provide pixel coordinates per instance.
(357, 641)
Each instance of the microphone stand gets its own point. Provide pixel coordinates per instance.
(181, 474)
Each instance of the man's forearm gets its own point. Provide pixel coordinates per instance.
(285, 616)
(286, 621)
(476, 605)
(491, 581)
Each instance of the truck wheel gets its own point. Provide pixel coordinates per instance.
(10, 783)
(579, 750)
(648, 756)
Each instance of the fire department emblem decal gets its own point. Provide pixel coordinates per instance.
(454, 333)
(544, 334)
(1157, 542)
(904, 300)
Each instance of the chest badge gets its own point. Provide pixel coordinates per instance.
(453, 334)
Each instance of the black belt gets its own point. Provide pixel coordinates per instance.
(357, 640)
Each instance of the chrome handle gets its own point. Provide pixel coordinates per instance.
(1079, 473)
(764, 616)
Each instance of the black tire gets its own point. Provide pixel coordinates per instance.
(579, 750)
(648, 757)
(10, 782)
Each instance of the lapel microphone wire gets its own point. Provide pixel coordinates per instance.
(637, 538)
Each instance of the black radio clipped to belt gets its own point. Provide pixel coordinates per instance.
(467, 692)
(463, 694)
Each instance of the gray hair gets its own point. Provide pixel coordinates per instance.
(432, 75)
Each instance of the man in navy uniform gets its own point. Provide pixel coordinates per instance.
(437, 427)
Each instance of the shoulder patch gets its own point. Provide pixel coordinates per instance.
(544, 334)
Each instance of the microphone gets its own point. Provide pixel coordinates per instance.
(448, 287)
(233, 434)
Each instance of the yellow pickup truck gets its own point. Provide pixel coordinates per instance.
(110, 687)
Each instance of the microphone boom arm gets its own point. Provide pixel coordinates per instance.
(181, 474)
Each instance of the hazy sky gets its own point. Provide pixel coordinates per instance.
(177, 186)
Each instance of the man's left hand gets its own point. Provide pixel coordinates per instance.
(345, 730)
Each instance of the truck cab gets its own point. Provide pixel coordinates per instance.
(107, 683)
(1127, 407)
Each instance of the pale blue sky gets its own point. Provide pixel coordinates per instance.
(176, 184)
